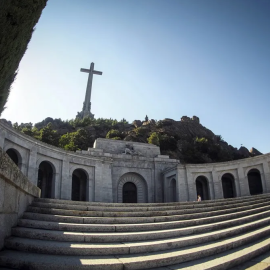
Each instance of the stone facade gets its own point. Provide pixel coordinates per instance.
(104, 171)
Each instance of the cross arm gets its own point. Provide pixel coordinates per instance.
(97, 72)
(85, 70)
(88, 71)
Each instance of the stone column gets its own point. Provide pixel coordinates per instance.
(2, 138)
(266, 181)
(23, 165)
(266, 175)
(237, 187)
(211, 187)
(66, 182)
(183, 194)
(57, 185)
(32, 163)
(159, 181)
(192, 192)
(243, 182)
(103, 182)
(91, 184)
(218, 190)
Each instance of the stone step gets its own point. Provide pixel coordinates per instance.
(136, 208)
(241, 258)
(260, 262)
(208, 231)
(158, 259)
(132, 205)
(91, 246)
(128, 220)
(132, 213)
(16, 259)
(234, 218)
(98, 217)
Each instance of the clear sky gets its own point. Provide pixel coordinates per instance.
(163, 58)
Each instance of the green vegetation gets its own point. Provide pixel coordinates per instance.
(154, 139)
(113, 133)
(17, 21)
(188, 141)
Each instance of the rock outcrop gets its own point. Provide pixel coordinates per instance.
(186, 139)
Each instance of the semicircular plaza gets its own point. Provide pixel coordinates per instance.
(120, 171)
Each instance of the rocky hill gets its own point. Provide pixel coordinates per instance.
(186, 139)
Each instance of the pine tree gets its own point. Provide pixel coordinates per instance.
(17, 21)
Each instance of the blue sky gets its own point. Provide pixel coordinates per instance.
(166, 59)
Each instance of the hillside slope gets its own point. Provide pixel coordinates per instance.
(186, 139)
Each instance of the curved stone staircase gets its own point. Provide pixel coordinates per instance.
(59, 234)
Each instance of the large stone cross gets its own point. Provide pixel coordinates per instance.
(87, 102)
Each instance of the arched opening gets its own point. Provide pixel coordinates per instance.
(255, 182)
(132, 184)
(79, 185)
(15, 156)
(228, 186)
(202, 187)
(172, 189)
(129, 193)
(45, 179)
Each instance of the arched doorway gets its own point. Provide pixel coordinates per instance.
(172, 190)
(129, 193)
(79, 185)
(255, 182)
(15, 156)
(202, 187)
(45, 179)
(228, 186)
(138, 182)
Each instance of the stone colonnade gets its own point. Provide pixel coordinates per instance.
(237, 178)
(100, 176)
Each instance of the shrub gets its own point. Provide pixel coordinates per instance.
(113, 133)
(153, 139)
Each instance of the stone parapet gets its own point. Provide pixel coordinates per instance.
(16, 193)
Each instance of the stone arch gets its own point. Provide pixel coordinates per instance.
(254, 182)
(46, 179)
(79, 186)
(138, 181)
(172, 190)
(202, 187)
(228, 185)
(15, 156)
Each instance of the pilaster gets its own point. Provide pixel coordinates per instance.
(243, 182)
(32, 163)
(66, 182)
(266, 171)
(103, 182)
(217, 185)
(183, 194)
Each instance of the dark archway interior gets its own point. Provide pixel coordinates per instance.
(45, 179)
(173, 190)
(129, 193)
(202, 188)
(79, 185)
(228, 186)
(13, 155)
(255, 182)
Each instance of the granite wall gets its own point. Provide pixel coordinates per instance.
(16, 193)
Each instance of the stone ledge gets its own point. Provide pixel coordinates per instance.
(11, 173)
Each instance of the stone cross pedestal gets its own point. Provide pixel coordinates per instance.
(86, 111)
